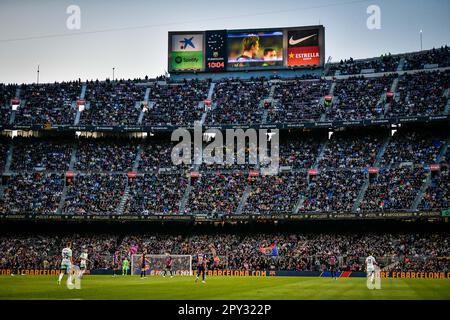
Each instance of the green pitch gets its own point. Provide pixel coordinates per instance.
(227, 288)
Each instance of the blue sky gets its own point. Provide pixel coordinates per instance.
(132, 35)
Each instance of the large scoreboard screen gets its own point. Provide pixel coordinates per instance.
(259, 49)
(255, 50)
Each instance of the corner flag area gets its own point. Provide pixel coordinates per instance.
(222, 288)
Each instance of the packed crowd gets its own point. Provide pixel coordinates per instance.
(177, 103)
(113, 103)
(437, 195)
(385, 63)
(238, 101)
(101, 169)
(32, 193)
(359, 98)
(299, 251)
(155, 194)
(333, 190)
(156, 155)
(440, 56)
(420, 94)
(102, 155)
(298, 101)
(30, 154)
(235, 101)
(3, 154)
(7, 92)
(216, 194)
(42, 251)
(413, 147)
(275, 194)
(94, 194)
(299, 153)
(48, 103)
(347, 150)
(393, 189)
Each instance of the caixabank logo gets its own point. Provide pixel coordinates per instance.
(303, 48)
(187, 52)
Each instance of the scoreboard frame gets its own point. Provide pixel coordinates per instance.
(217, 61)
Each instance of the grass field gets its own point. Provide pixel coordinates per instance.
(227, 288)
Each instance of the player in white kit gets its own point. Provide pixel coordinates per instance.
(370, 267)
(83, 261)
(66, 263)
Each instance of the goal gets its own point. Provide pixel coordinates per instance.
(181, 264)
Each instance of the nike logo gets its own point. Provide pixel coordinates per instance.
(293, 42)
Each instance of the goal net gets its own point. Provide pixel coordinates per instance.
(156, 264)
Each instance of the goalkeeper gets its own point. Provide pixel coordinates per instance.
(125, 266)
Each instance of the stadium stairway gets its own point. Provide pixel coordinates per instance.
(427, 181)
(401, 63)
(269, 99)
(76, 121)
(322, 149)
(244, 198)
(147, 94)
(322, 101)
(272, 90)
(184, 200)
(12, 117)
(201, 104)
(9, 157)
(18, 91)
(361, 194)
(392, 89)
(299, 203)
(150, 106)
(203, 119)
(328, 64)
(126, 193)
(83, 91)
(365, 186)
(73, 159)
(123, 201)
(9, 154)
(63, 199)
(447, 106)
(211, 90)
(264, 116)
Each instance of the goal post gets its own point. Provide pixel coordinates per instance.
(181, 264)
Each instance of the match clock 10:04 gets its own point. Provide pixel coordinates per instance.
(216, 50)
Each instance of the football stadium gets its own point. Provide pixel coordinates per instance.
(252, 160)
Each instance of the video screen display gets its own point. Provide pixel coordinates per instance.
(255, 50)
(246, 50)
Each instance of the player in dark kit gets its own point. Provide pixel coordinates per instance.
(216, 262)
(333, 266)
(143, 260)
(116, 263)
(201, 267)
(169, 262)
